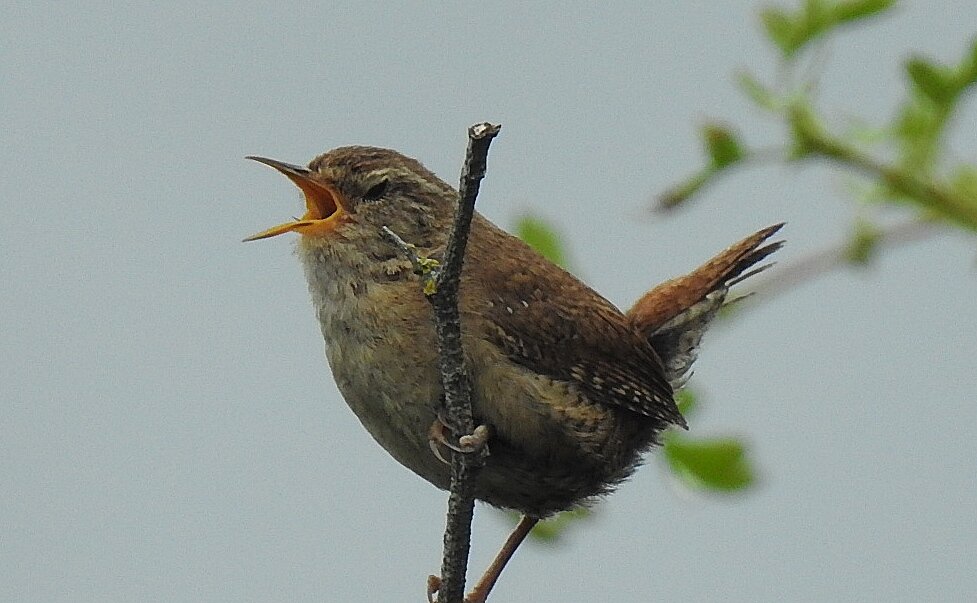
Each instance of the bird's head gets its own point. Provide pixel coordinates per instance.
(352, 192)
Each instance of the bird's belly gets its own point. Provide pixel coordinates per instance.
(533, 465)
(550, 448)
(396, 404)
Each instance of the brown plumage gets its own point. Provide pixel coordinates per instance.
(674, 315)
(573, 390)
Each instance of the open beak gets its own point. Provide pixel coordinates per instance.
(323, 203)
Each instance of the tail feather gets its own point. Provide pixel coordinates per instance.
(674, 315)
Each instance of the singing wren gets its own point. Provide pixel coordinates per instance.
(573, 390)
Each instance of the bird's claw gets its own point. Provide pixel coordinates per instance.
(467, 444)
(474, 441)
(436, 450)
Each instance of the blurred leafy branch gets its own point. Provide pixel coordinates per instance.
(905, 163)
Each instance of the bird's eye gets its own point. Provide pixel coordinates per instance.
(376, 192)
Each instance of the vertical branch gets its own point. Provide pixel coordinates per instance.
(441, 289)
(445, 297)
(454, 376)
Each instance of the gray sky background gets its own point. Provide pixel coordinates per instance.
(169, 430)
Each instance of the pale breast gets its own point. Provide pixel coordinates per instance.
(382, 357)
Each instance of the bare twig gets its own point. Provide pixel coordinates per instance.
(683, 192)
(408, 249)
(791, 274)
(440, 283)
(937, 197)
(454, 377)
(423, 266)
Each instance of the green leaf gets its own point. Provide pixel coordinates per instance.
(721, 144)
(552, 529)
(968, 67)
(686, 400)
(964, 182)
(918, 129)
(807, 132)
(781, 29)
(757, 92)
(863, 244)
(936, 82)
(791, 31)
(543, 238)
(684, 191)
(844, 12)
(716, 464)
(927, 112)
(914, 121)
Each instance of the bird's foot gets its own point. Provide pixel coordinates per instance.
(433, 586)
(467, 444)
(474, 441)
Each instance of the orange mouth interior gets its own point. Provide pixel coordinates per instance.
(323, 204)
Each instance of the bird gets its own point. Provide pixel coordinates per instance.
(572, 391)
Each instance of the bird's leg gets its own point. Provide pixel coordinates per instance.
(467, 444)
(484, 586)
